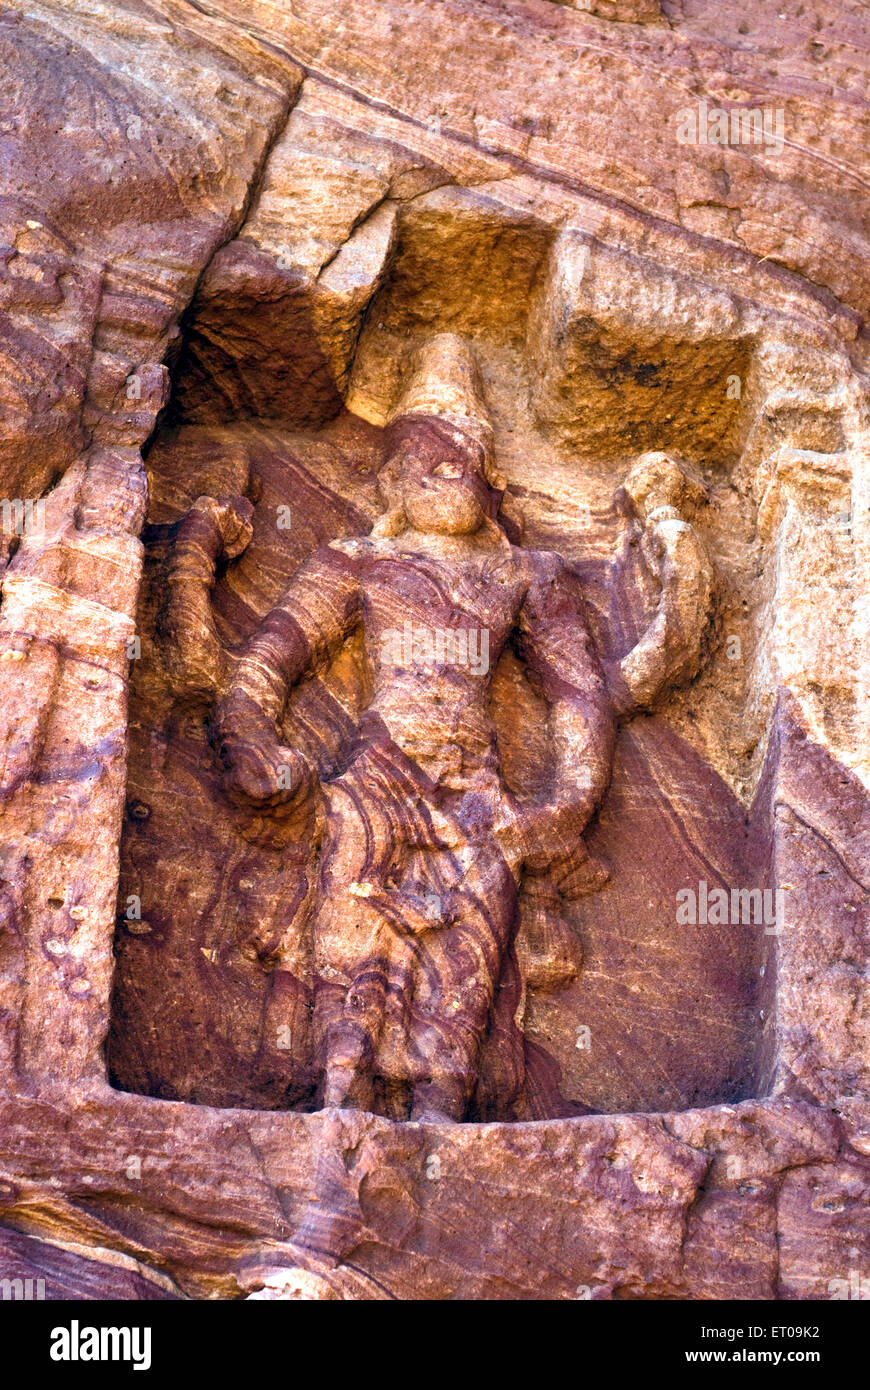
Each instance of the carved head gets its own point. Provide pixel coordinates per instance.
(439, 477)
(436, 477)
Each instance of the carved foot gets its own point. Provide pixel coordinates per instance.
(440, 1102)
(338, 1087)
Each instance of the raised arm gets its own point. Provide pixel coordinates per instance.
(670, 652)
(316, 614)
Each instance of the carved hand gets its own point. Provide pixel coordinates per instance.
(670, 652)
(539, 835)
(260, 771)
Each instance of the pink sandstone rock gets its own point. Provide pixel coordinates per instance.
(433, 616)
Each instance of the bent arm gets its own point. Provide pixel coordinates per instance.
(213, 529)
(557, 646)
(316, 614)
(671, 649)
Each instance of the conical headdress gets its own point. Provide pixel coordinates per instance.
(443, 381)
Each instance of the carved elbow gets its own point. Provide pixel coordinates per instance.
(212, 530)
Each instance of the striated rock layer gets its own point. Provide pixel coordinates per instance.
(434, 743)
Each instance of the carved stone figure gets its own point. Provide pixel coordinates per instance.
(423, 848)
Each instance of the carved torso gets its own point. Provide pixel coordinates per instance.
(434, 632)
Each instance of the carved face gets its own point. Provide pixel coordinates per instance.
(441, 483)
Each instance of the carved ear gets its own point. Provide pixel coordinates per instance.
(393, 521)
(496, 480)
(511, 516)
(390, 474)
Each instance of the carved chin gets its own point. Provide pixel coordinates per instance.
(454, 516)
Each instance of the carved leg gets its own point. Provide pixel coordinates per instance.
(352, 938)
(350, 1043)
(341, 1049)
(347, 1083)
(455, 983)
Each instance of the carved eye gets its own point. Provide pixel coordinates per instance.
(447, 470)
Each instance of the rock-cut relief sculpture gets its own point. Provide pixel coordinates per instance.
(429, 870)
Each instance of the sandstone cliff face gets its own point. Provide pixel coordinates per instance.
(333, 965)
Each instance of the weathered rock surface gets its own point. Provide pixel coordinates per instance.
(512, 316)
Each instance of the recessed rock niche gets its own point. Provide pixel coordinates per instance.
(443, 789)
(447, 609)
